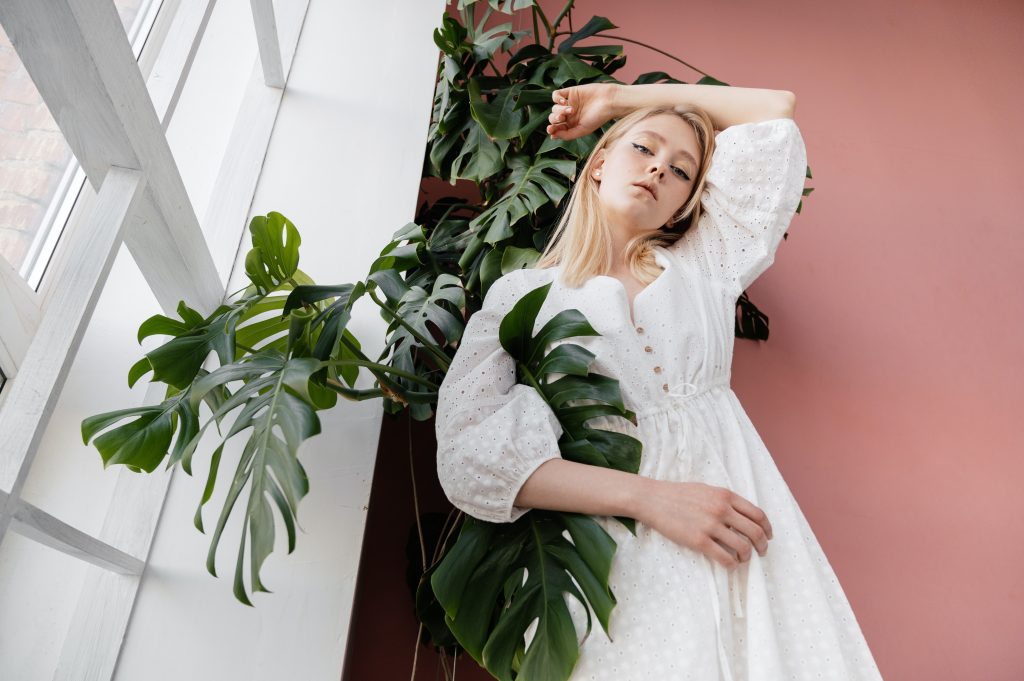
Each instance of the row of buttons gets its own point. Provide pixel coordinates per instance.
(648, 349)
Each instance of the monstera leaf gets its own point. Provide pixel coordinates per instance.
(284, 353)
(530, 185)
(498, 578)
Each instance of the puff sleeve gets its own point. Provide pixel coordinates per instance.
(752, 191)
(492, 432)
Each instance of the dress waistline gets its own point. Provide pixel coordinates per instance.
(680, 393)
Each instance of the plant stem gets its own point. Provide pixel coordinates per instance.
(352, 393)
(536, 28)
(651, 47)
(384, 368)
(429, 345)
(547, 24)
(561, 15)
(480, 24)
(416, 498)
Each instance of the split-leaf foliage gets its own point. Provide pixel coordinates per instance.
(261, 366)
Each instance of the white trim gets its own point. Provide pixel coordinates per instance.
(274, 72)
(171, 69)
(31, 397)
(246, 151)
(98, 625)
(40, 526)
(19, 318)
(78, 55)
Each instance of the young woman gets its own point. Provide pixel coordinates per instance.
(665, 227)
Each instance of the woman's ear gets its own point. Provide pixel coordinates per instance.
(595, 171)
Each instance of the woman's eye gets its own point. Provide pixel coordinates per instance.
(680, 173)
(641, 148)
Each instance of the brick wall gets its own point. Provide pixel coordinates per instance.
(33, 153)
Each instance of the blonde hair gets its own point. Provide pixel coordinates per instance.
(581, 242)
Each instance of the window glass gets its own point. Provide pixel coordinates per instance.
(39, 177)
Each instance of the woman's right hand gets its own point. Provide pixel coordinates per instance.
(711, 520)
(581, 109)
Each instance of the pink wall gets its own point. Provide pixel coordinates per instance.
(890, 391)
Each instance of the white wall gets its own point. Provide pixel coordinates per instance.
(344, 165)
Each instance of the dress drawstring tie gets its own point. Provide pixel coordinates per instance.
(677, 394)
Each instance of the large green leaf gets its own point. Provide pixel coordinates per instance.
(479, 583)
(530, 185)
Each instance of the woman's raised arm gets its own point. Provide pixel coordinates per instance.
(581, 109)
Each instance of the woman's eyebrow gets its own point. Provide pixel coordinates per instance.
(680, 152)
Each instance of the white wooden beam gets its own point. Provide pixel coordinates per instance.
(19, 318)
(225, 218)
(100, 620)
(185, 34)
(101, 617)
(37, 524)
(270, 46)
(78, 55)
(33, 394)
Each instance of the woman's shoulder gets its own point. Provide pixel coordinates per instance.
(514, 284)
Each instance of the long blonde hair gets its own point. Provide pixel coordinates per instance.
(581, 242)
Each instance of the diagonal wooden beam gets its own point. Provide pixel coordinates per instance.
(79, 57)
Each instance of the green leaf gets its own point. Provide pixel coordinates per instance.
(138, 370)
(479, 159)
(529, 186)
(279, 420)
(708, 80)
(595, 25)
(498, 117)
(514, 258)
(274, 256)
(479, 582)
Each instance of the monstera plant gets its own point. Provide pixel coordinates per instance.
(262, 365)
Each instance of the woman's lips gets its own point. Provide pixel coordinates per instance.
(649, 192)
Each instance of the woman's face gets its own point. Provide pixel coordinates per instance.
(646, 176)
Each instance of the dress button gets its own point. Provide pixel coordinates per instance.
(665, 387)
(648, 348)
(640, 330)
(657, 370)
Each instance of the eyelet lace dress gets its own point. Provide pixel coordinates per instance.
(680, 615)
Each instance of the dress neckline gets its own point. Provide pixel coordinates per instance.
(662, 260)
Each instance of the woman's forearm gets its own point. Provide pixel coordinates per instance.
(725, 105)
(561, 485)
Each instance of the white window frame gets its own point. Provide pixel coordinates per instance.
(116, 126)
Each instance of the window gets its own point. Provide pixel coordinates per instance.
(42, 178)
(117, 173)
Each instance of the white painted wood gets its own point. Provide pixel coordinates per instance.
(171, 69)
(33, 393)
(270, 48)
(225, 221)
(91, 645)
(333, 140)
(40, 526)
(19, 318)
(98, 626)
(101, 616)
(78, 55)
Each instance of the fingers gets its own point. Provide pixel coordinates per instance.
(751, 532)
(717, 551)
(752, 512)
(559, 119)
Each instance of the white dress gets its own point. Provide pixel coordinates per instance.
(680, 615)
